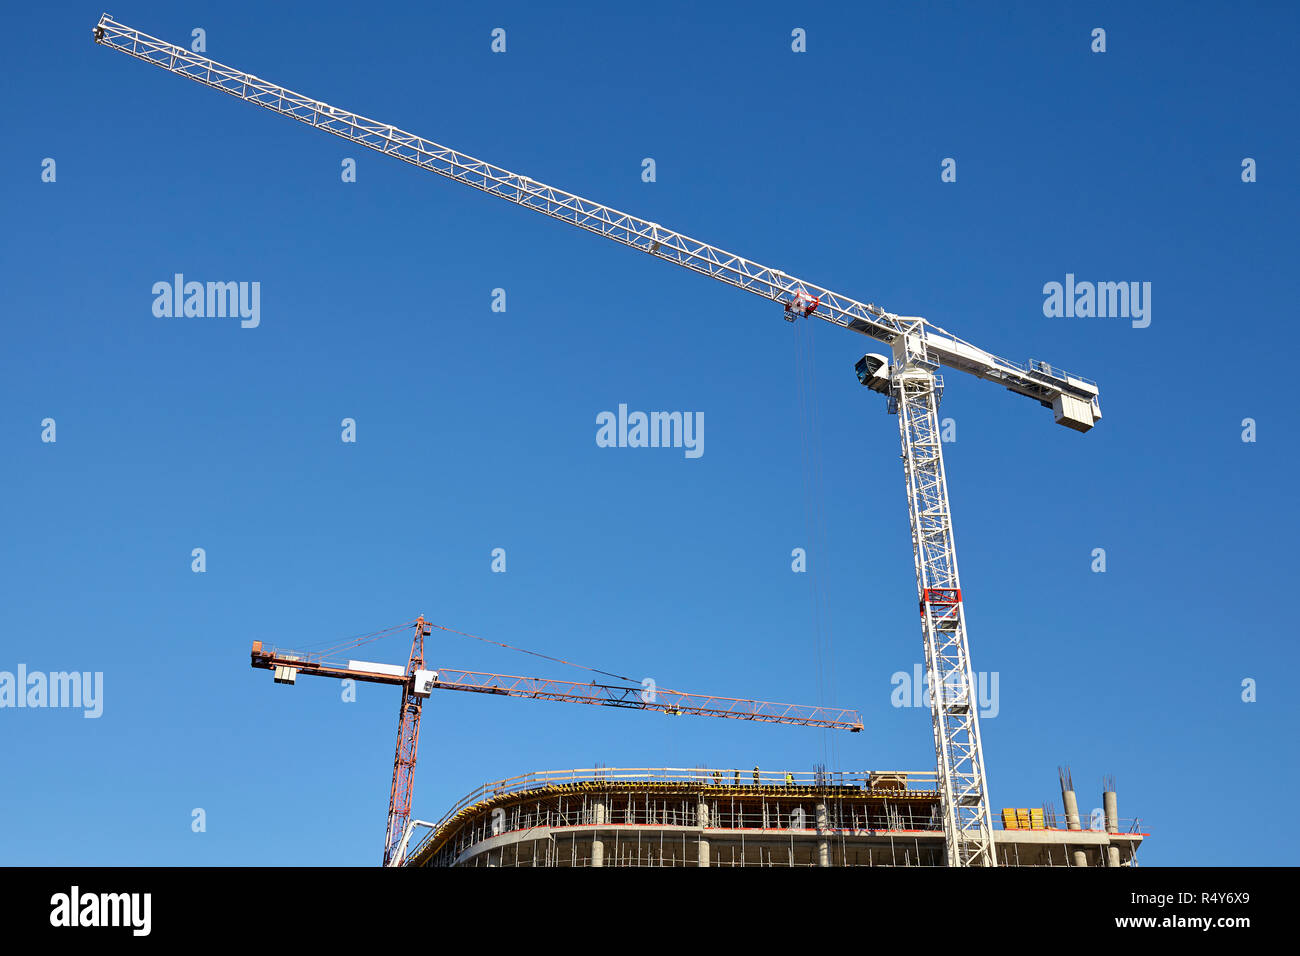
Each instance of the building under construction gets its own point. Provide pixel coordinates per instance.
(706, 817)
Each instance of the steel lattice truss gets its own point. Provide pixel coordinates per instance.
(544, 688)
(408, 748)
(954, 704)
(659, 699)
(1039, 382)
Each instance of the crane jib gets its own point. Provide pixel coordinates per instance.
(1073, 399)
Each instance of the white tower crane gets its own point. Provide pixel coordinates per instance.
(907, 376)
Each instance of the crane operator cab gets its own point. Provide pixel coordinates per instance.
(424, 682)
(873, 372)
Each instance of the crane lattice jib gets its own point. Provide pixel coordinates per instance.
(658, 699)
(1036, 381)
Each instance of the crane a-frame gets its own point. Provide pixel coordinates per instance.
(417, 682)
(918, 348)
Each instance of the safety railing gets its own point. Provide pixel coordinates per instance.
(1053, 370)
(1125, 825)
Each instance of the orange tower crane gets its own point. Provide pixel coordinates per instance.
(418, 681)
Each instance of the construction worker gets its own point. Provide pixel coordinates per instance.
(756, 776)
(789, 779)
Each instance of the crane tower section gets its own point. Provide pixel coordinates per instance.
(408, 743)
(914, 392)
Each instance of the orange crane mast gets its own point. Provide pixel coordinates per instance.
(417, 682)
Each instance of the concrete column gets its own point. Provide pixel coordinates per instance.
(702, 819)
(1072, 823)
(1071, 810)
(823, 841)
(599, 817)
(1110, 803)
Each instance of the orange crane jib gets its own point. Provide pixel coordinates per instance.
(288, 664)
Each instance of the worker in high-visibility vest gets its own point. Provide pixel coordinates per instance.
(789, 779)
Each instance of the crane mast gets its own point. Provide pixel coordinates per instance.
(968, 823)
(919, 348)
(408, 747)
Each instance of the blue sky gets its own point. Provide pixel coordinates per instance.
(476, 429)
